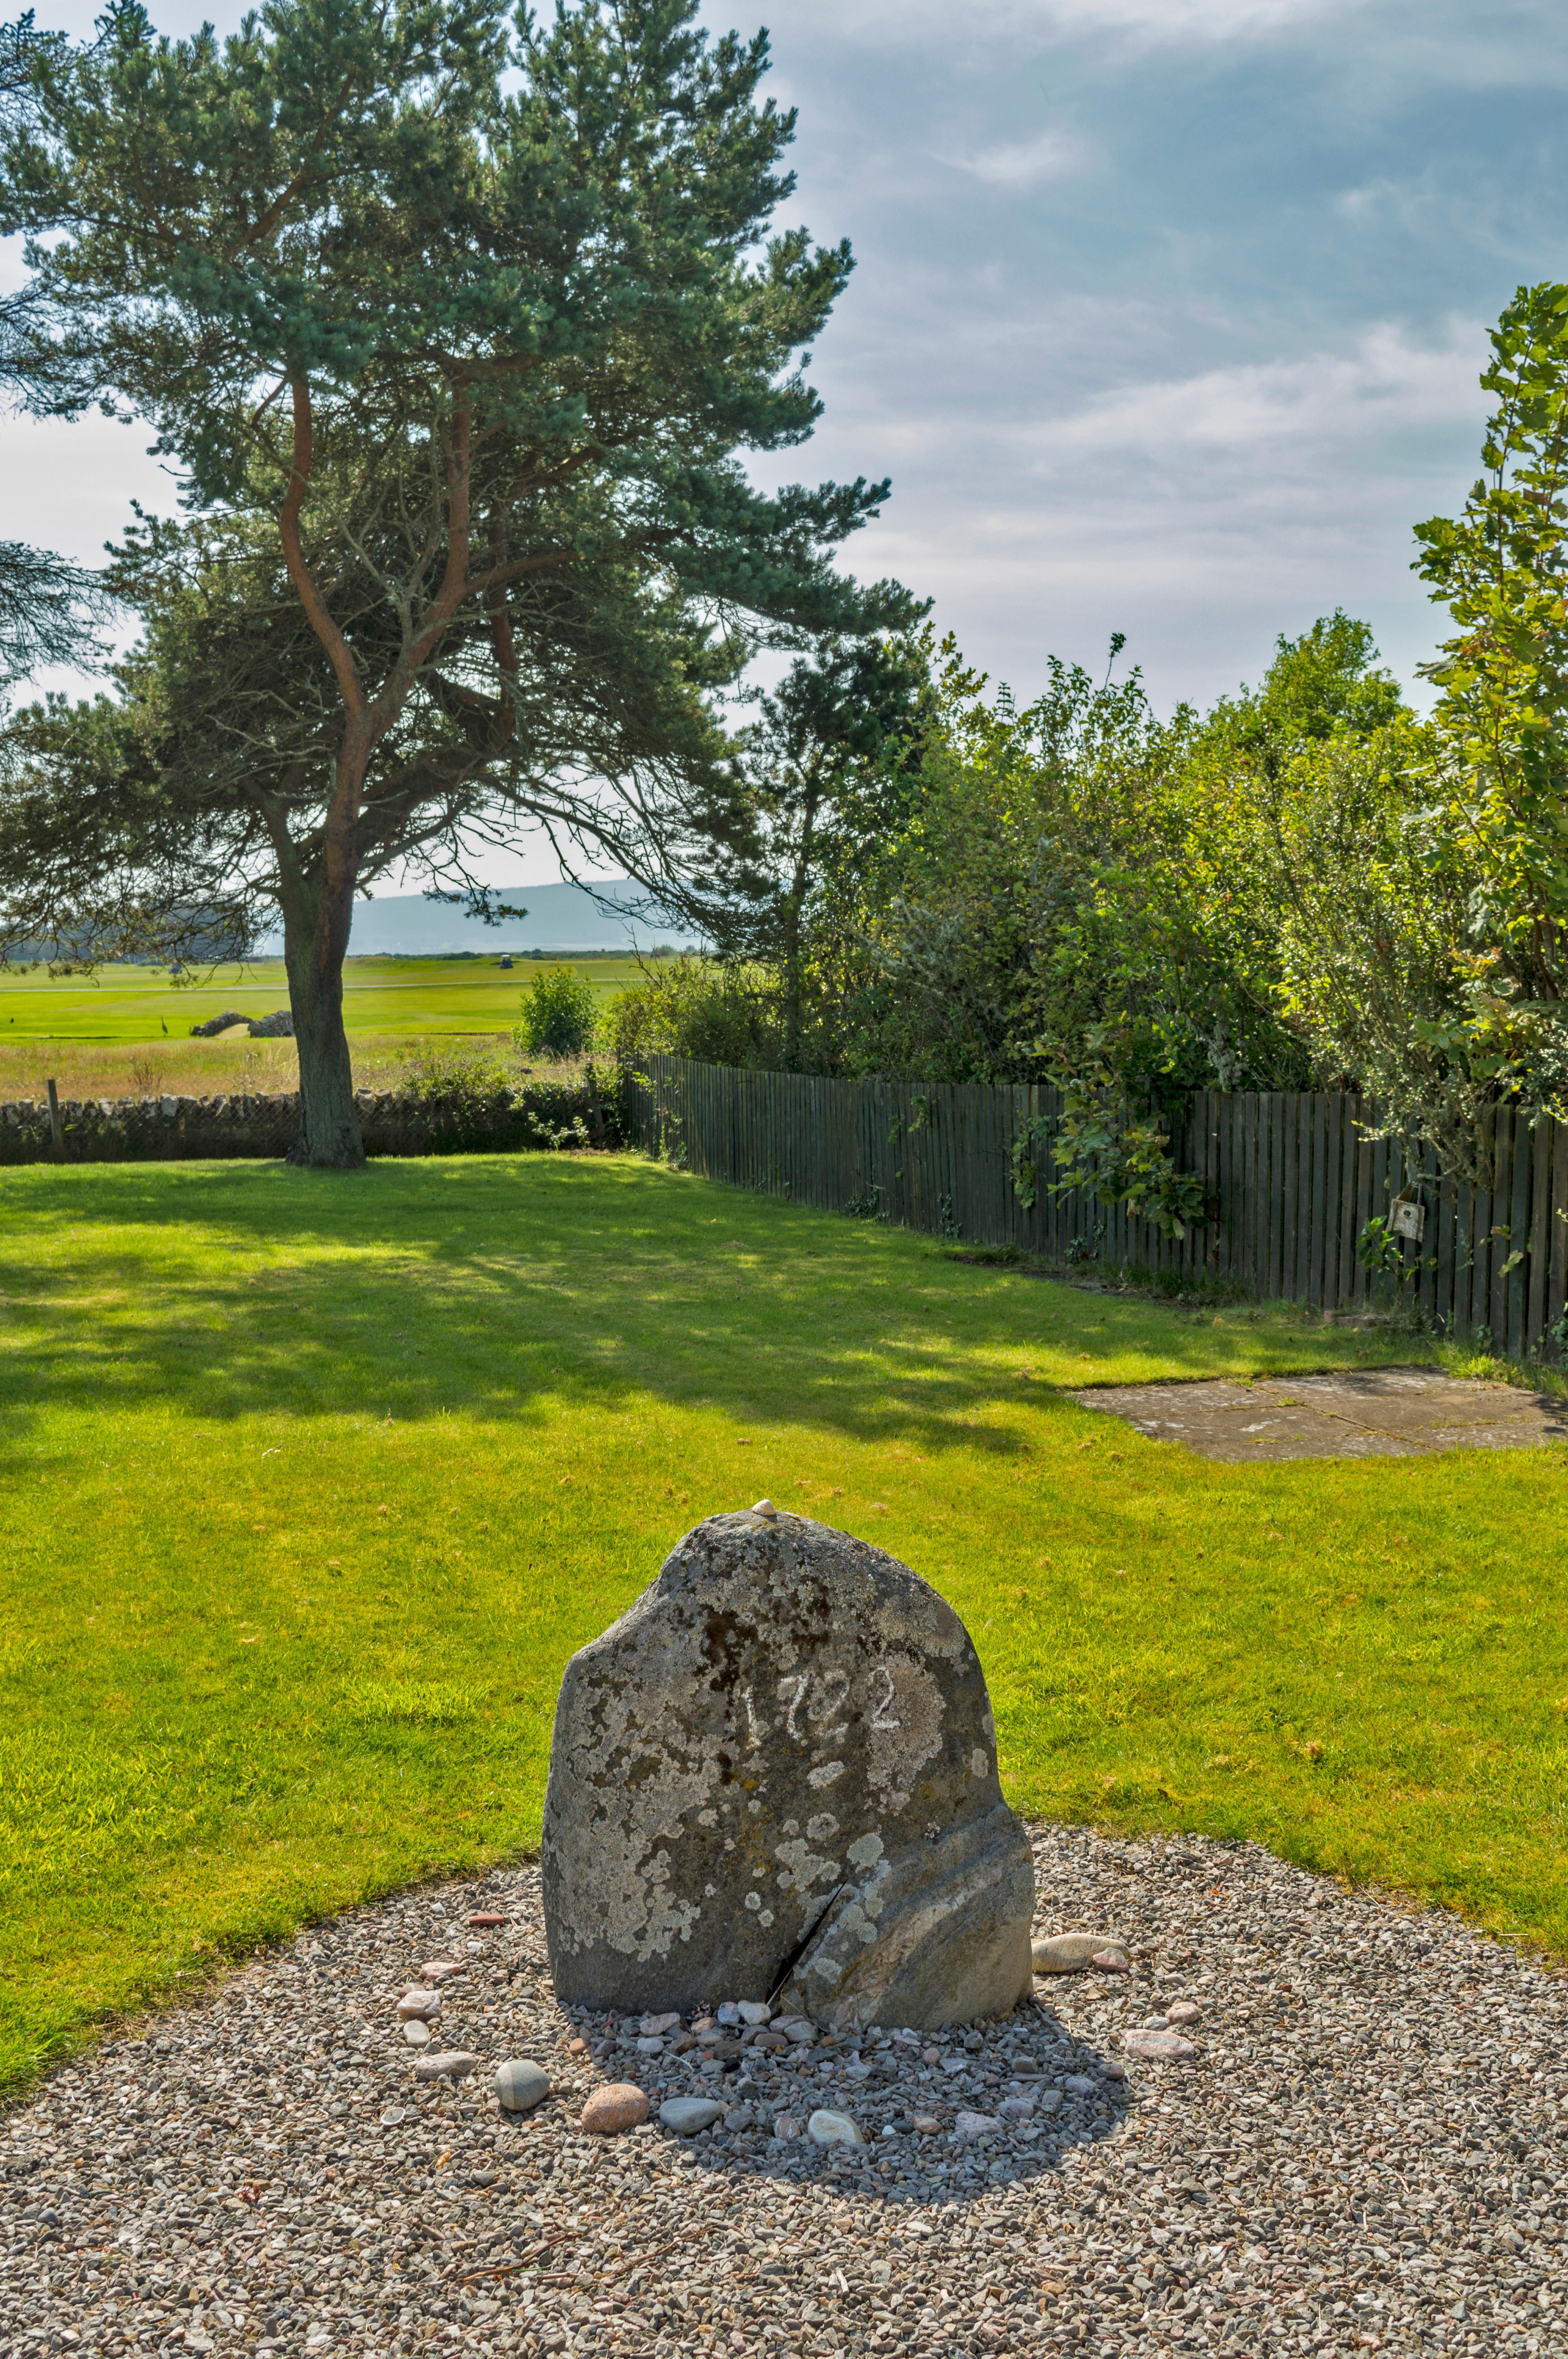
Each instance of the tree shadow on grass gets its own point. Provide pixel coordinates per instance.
(497, 1286)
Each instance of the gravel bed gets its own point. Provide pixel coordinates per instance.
(1364, 2152)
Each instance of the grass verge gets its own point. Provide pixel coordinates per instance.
(313, 1483)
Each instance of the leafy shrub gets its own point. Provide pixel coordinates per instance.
(1099, 1144)
(466, 1093)
(473, 1102)
(1381, 970)
(696, 1007)
(559, 1012)
(438, 1071)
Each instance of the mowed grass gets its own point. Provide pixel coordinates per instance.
(402, 998)
(311, 1484)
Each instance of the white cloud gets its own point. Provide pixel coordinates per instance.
(1191, 20)
(1054, 154)
(1037, 23)
(1201, 512)
(1383, 382)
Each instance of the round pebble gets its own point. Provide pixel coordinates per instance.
(620, 2106)
(451, 2064)
(521, 2084)
(687, 2115)
(1167, 2044)
(828, 2128)
(416, 2034)
(1072, 1953)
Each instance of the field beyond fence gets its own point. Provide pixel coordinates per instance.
(1291, 1180)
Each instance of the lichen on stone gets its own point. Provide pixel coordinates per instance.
(774, 1659)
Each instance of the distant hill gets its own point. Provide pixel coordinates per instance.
(560, 917)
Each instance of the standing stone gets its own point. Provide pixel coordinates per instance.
(777, 1773)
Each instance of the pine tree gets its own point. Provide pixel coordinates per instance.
(455, 337)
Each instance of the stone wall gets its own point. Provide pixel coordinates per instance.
(180, 1129)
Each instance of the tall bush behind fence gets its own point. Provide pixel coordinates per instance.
(1299, 1201)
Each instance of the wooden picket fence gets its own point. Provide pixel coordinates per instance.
(1289, 1179)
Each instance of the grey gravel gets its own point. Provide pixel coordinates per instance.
(1365, 2151)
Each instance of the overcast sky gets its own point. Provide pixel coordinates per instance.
(1168, 314)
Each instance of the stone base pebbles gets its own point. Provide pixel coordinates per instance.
(1364, 2151)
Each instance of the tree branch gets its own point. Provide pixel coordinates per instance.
(338, 652)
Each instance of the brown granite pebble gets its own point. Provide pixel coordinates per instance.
(621, 2106)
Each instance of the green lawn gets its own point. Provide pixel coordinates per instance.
(380, 996)
(312, 1483)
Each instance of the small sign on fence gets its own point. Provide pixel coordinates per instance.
(1408, 1219)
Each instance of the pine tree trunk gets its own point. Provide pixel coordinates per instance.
(794, 905)
(791, 985)
(315, 939)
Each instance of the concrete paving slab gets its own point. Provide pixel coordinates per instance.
(1348, 1413)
